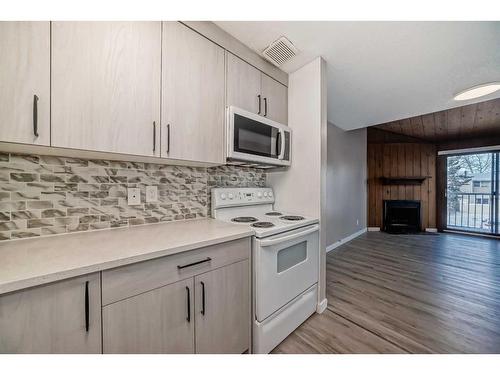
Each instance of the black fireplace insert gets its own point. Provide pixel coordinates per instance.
(402, 216)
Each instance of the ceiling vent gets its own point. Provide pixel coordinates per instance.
(280, 51)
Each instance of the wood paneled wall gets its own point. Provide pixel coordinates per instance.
(401, 160)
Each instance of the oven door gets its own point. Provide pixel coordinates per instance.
(257, 139)
(285, 266)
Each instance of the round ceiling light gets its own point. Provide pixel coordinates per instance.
(478, 91)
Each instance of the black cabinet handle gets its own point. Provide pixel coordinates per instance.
(168, 138)
(35, 115)
(208, 259)
(258, 96)
(202, 298)
(265, 107)
(188, 317)
(87, 306)
(154, 136)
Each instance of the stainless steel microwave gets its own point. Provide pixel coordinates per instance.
(256, 139)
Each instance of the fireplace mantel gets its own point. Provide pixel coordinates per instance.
(404, 180)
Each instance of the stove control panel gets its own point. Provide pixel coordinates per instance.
(227, 197)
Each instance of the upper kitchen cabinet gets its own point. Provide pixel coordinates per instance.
(192, 96)
(25, 82)
(106, 86)
(243, 85)
(256, 92)
(275, 100)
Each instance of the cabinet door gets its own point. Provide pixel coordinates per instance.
(52, 318)
(106, 86)
(24, 73)
(192, 95)
(158, 321)
(275, 100)
(223, 309)
(243, 85)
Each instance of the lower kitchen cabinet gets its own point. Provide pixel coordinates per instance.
(158, 321)
(62, 317)
(223, 309)
(206, 313)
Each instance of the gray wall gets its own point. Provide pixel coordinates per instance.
(346, 183)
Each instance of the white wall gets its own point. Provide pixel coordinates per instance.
(346, 189)
(302, 188)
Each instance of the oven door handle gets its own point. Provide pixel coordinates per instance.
(271, 242)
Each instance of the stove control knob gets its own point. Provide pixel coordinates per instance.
(265, 194)
(259, 194)
(223, 196)
(270, 194)
(230, 195)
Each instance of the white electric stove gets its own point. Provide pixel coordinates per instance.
(285, 259)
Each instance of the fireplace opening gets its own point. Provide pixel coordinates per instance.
(402, 216)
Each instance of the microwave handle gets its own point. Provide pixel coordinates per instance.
(282, 149)
(271, 242)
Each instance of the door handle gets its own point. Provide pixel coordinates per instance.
(265, 107)
(87, 303)
(154, 136)
(265, 243)
(168, 138)
(35, 115)
(202, 298)
(258, 96)
(188, 317)
(282, 149)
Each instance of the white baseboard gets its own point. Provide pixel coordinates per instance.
(431, 230)
(373, 229)
(322, 306)
(344, 240)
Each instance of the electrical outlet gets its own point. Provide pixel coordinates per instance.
(151, 193)
(134, 196)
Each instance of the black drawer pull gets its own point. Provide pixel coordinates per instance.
(195, 263)
(87, 306)
(265, 107)
(258, 96)
(188, 317)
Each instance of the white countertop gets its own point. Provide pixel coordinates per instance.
(35, 261)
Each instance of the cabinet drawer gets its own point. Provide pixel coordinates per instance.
(127, 281)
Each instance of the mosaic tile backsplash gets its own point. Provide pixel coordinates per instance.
(44, 195)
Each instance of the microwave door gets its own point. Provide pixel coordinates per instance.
(255, 138)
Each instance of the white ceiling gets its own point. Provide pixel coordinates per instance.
(385, 71)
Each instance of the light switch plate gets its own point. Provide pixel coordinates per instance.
(134, 196)
(151, 193)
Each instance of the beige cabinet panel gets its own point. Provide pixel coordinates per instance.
(152, 322)
(275, 100)
(192, 96)
(243, 85)
(106, 79)
(24, 73)
(223, 309)
(52, 318)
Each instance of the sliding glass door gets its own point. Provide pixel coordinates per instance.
(472, 192)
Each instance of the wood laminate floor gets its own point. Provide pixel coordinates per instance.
(434, 293)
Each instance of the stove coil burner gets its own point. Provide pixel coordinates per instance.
(244, 219)
(263, 224)
(292, 218)
(274, 213)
